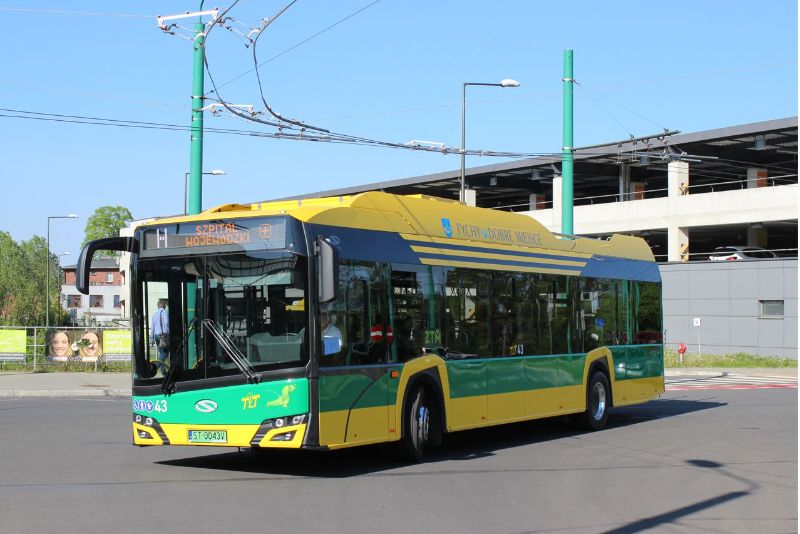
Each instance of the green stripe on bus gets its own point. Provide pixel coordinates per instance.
(355, 390)
(491, 376)
(638, 361)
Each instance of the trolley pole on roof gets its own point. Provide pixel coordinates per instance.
(567, 149)
(196, 149)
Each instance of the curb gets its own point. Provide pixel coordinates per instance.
(691, 372)
(18, 393)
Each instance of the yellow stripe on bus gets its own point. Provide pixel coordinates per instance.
(495, 256)
(498, 266)
(496, 246)
(364, 426)
(638, 390)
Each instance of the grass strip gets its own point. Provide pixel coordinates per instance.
(740, 359)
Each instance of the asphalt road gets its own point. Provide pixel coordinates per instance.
(693, 461)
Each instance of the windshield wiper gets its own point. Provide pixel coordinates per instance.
(176, 367)
(232, 351)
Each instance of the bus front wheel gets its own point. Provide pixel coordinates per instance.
(598, 400)
(416, 426)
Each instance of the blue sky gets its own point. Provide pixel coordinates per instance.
(392, 72)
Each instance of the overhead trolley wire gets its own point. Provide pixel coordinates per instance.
(297, 45)
(333, 137)
(292, 134)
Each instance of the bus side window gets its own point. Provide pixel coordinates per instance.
(363, 298)
(416, 311)
(646, 312)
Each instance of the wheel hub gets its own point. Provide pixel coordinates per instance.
(598, 401)
(423, 423)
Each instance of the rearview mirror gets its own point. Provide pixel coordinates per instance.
(327, 270)
(122, 244)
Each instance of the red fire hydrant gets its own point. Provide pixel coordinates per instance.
(681, 351)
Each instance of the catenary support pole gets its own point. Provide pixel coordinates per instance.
(567, 149)
(196, 150)
(196, 162)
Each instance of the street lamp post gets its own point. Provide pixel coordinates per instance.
(47, 267)
(60, 275)
(503, 83)
(215, 172)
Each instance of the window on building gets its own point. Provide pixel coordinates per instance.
(770, 308)
(110, 277)
(95, 301)
(116, 301)
(73, 301)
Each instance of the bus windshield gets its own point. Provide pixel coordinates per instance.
(220, 315)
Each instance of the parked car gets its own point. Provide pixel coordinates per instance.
(734, 253)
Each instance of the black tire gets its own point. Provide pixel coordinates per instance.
(416, 426)
(598, 400)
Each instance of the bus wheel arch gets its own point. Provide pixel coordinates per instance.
(601, 364)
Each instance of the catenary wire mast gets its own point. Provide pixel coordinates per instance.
(195, 193)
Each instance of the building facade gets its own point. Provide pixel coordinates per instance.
(727, 307)
(103, 304)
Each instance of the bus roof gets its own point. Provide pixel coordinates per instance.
(429, 218)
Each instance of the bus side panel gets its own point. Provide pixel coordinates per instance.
(644, 373)
(541, 381)
(506, 387)
(468, 389)
(620, 384)
(354, 406)
(570, 378)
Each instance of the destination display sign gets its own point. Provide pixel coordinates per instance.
(258, 232)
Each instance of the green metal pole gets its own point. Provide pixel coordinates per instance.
(566, 149)
(196, 153)
(195, 192)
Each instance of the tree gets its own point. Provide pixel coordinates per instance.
(22, 281)
(106, 221)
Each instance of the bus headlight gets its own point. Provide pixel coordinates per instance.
(278, 422)
(149, 422)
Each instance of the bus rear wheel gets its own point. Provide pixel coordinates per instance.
(416, 426)
(598, 401)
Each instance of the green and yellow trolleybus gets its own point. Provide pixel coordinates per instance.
(335, 322)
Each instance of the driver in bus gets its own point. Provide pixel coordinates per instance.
(331, 335)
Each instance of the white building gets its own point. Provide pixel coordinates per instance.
(103, 303)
